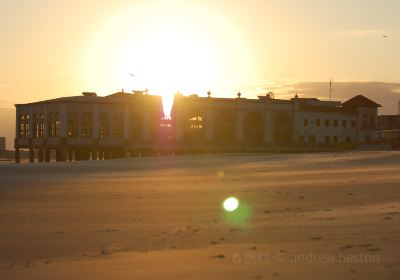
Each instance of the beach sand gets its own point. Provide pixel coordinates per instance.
(301, 216)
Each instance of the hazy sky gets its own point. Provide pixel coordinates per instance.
(52, 48)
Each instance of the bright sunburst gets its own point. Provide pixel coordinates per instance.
(168, 48)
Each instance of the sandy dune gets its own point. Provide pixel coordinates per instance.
(302, 216)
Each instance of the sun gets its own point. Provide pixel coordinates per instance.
(168, 48)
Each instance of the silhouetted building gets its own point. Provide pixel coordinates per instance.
(120, 124)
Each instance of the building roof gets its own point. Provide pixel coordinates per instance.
(360, 101)
(118, 97)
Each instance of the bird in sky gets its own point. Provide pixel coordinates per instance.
(131, 74)
(385, 36)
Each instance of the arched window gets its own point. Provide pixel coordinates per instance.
(194, 128)
(86, 125)
(224, 132)
(253, 129)
(23, 125)
(57, 125)
(36, 125)
(27, 126)
(104, 126)
(41, 126)
(51, 125)
(117, 126)
(72, 125)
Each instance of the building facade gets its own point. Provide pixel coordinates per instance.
(92, 127)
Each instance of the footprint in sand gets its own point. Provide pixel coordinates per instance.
(316, 237)
(374, 249)
(217, 256)
(345, 247)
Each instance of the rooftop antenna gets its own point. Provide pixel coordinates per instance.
(330, 89)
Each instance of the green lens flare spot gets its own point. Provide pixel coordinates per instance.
(231, 204)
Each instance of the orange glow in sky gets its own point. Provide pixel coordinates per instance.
(167, 48)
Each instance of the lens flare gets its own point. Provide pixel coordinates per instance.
(231, 204)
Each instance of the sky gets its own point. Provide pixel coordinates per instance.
(53, 48)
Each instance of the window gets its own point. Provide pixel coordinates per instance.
(72, 125)
(57, 125)
(327, 139)
(41, 126)
(344, 123)
(335, 139)
(104, 126)
(335, 123)
(35, 126)
(348, 139)
(22, 126)
(51, 125)
(326, 123)
(27, 126)
(353, 123)
(86, 125)
(305, 122)
(318, 122)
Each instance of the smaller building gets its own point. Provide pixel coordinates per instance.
(2, 144)
(389, 127)
(388, 122)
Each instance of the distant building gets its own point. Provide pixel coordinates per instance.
(93, 127)
(388, 122)
(2, 144)
(389, 127)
